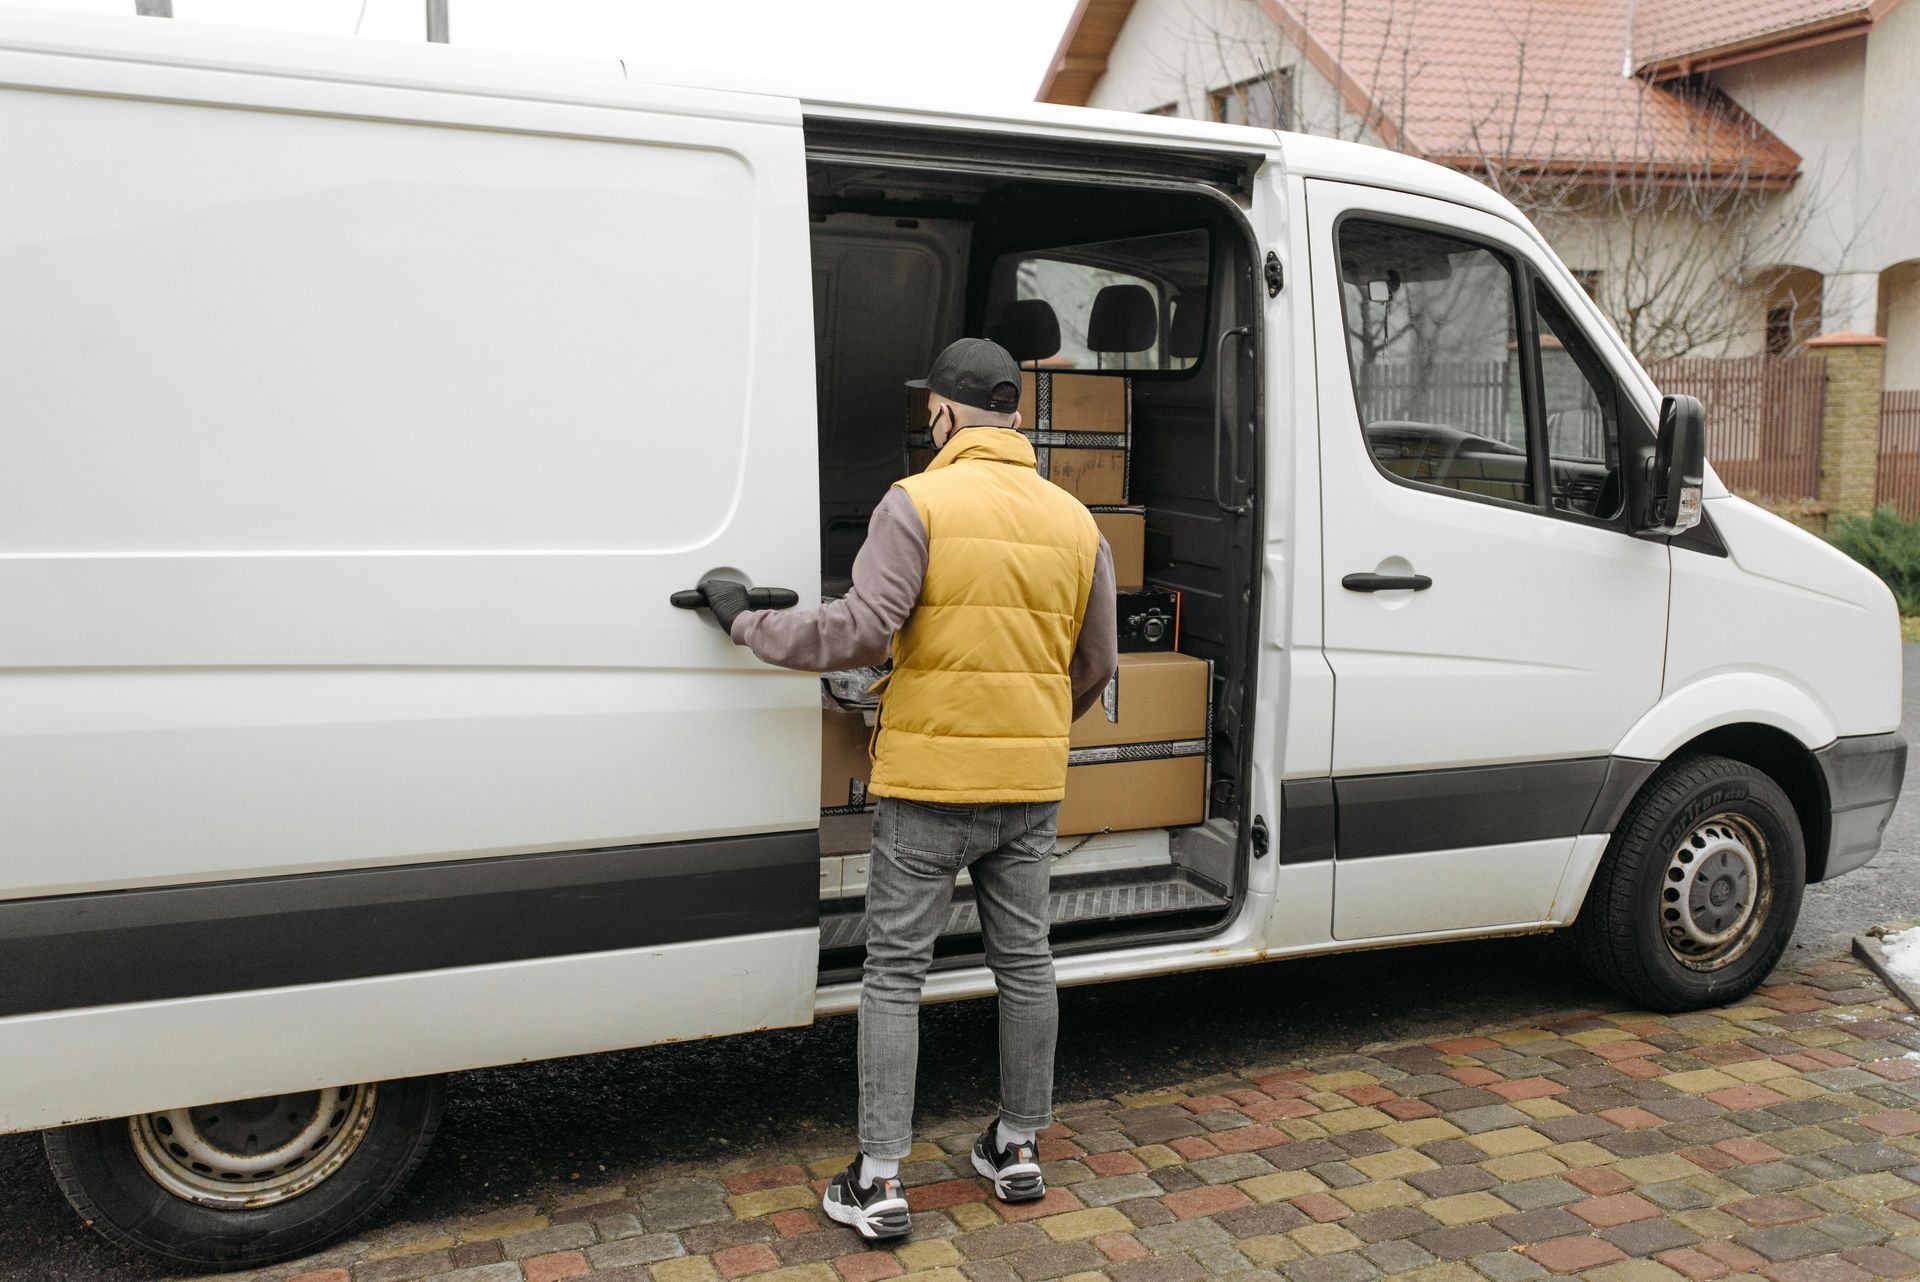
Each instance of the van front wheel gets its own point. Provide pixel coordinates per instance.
(1700, 887)
(247, 1182)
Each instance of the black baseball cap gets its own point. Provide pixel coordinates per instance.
(976, 372)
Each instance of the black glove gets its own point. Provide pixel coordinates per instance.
(727, 600)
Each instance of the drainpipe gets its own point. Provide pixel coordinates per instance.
(1626, 57)
(437, 21)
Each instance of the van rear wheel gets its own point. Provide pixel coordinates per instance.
(248, 1182)
(1700, 887)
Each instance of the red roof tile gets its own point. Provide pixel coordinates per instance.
(1538, 85)
(1674, 35)
(1528, 85)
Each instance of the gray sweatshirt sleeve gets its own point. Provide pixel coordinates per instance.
(1097, 653)
(856, 630)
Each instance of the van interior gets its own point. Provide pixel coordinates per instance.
(1145, 281)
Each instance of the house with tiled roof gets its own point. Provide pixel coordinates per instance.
(1758, 160)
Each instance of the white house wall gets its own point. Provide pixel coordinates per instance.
(1176, 51)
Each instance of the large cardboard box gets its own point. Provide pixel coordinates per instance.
(1138, 759)
(1165, 793)
(1097, 478)
(844, 765)
(1125, 529)
(1156, 696)
(1062, 402)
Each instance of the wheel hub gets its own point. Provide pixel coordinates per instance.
(1715, 890)
(253, 1152)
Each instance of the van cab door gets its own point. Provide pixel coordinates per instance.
(1492, 624)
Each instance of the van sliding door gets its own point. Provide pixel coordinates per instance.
(367, 431)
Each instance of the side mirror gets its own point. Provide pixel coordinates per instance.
(1678, 468)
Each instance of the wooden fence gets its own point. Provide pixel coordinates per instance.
(1763, 418)
(1897, 479)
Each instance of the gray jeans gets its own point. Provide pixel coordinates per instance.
(918, 847)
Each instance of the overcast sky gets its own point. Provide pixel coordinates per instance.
(983, 49)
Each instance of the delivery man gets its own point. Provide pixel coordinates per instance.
(994, 592)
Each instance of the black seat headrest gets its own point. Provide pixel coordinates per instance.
(1124, 319)
(1187, 331)
(1030, 331)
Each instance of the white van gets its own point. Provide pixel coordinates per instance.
(367, 405)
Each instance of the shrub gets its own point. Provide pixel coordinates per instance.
(1887, 545)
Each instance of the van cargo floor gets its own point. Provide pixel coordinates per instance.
(843, 924)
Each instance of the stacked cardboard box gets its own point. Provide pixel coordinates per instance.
(1140, 758)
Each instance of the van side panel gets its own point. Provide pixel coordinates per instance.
(361, 426)
(354, 462)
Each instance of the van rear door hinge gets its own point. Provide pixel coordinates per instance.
(1259, 837)
(1276, 277)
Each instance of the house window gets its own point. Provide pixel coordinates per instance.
(1589, 284)
(1779, 330)
(1164, 109)
(1264, 102)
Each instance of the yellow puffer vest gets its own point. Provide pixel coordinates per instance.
(978, 705)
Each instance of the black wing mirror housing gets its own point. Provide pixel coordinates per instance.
(1677, 472)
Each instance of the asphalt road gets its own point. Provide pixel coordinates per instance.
(511, 1133)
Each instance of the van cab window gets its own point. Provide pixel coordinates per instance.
(1134, 304)
(1582, 416)
(1432, 328)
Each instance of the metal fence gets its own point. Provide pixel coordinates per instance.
(1763, 418)
(1897, 479)
(1470, 395)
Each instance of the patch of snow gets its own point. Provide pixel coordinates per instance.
(1903, 954)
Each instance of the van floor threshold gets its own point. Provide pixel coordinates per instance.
(1163, 895)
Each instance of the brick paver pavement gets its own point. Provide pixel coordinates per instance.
(1778, 1139)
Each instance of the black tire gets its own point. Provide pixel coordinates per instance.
(1641, 936)
(103, 1176)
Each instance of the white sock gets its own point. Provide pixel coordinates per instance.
(877, 1168)
(1005, 1136)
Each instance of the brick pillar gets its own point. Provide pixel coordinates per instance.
(1850, 420)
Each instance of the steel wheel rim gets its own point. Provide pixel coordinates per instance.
(253, 1152)
(1716, 891)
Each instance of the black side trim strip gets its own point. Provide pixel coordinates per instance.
(1863, 770)
(1306, 820)
(1400, 814)
(221, 937)
(1625, 777)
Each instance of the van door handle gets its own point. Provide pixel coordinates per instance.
(1222, 428)
(1371, 582)
(757, 599)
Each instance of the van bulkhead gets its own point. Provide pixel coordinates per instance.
(368, 406)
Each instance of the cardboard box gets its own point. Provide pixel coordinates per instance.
(1138, 759)
(1156, 697)
(844, 764)
(1122, 795)
(1062, 402)
(1125, 530)
(1097, 478)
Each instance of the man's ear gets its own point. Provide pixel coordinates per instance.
(1015, 425)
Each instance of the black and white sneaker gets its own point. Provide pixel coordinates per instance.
(875, 1211)
(1014, 1170)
